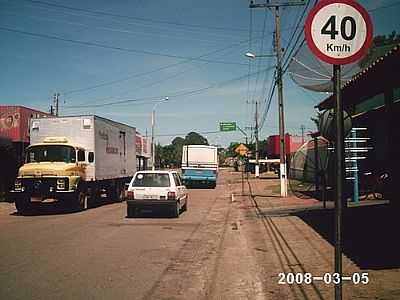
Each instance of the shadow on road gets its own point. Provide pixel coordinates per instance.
(370, 236)
(43, 209)
(152, 214)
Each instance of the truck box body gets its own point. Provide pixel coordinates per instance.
(199, 164)
(113, 143)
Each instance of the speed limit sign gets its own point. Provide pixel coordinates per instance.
(338, 31)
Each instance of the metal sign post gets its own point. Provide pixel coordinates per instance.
(338, 32)
(339, 155)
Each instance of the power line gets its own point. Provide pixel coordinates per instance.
(52, 37)
(385, 6)
(103, 13)
(107, 83)
(118, 30)
(172, 94)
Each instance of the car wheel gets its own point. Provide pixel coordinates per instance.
(130, 211)
(184, 207)
(176, 210)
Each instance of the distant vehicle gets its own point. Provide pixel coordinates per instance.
(199, 165)
(153, 189)
(72, 160)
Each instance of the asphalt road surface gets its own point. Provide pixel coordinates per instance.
(223, 247)
(101, 254)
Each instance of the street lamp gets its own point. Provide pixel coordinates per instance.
(153, 146)
(282, 152)
(257, 167)
(252, 55)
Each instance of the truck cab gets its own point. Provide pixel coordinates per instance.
(54, 169)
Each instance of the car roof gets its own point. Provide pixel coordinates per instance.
(157, 171)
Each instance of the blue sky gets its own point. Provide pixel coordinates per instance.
(138, 52)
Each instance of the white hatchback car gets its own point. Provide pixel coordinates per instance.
(156, 188)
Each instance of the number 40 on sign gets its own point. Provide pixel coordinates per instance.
(338, 31)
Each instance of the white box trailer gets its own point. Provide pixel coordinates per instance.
(113, 143)
(75, 158)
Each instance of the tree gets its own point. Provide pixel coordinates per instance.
(171, 155)
(193, 138)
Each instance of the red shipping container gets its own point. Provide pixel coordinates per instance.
(292, 143)
(15, 120)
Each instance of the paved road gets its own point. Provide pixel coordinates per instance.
(101, 254)
(218, 249)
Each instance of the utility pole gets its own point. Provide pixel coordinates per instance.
(279, 82)
(257, 166)
(56, 95)
(302, 128)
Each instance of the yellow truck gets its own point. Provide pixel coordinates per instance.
(72, 160)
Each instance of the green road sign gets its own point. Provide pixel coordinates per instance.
(227, 126)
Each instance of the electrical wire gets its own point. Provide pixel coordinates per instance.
(107, 83)
(93, 44)
(103, 13)
(184, 93)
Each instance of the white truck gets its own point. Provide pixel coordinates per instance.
(199, 165)
(72, 160)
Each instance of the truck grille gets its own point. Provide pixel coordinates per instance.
(41, 186)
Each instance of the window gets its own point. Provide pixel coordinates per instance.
(87, 123)
(51, 153)
(81, 155)
(176, 179)
(152, 180)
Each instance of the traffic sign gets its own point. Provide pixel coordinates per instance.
(241, 150)
(338, 31)
(227, 126)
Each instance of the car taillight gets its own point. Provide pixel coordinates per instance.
(130, 195)
(171, 195)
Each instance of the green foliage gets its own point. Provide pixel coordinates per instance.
(193, 138)
(170, 156)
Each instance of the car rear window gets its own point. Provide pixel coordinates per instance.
(152, 180)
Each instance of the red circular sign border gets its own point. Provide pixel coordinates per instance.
(338, 61)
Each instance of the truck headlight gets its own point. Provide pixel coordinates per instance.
(61, 183)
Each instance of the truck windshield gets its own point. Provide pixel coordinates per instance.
(152, 180)
(59, 153)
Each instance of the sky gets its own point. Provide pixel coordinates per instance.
(121, 59)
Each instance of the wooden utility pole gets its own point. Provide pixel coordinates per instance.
(279, 82)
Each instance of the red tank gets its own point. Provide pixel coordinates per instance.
(292, 143)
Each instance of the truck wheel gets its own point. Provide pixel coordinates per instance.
(176, 210)
(119, 193)
(23, 205)
(81, 199)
